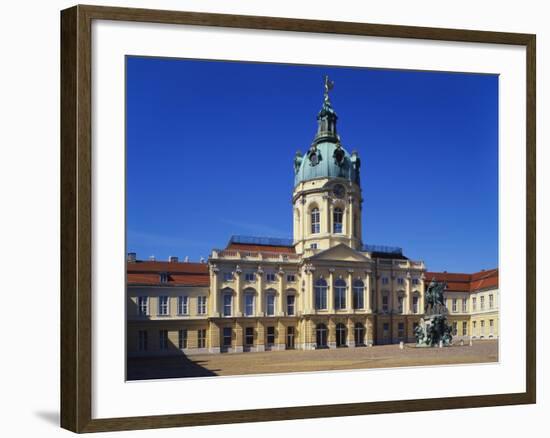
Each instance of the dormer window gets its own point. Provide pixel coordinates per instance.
(163, 277)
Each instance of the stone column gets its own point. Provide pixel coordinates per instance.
(368, 303)
(309, 334)
(327, 209)
(349, 219)
(331, 338)
(237, 305)
(214, 293)
(260, 337)
(351, 333)
(281, 336)
(330, 291)
(260, 292)
(280, 308)
(379, 293)
(213, 337)
(349, 290)
(407, 299)
(421, 297)
(369, 326)
(238, 346)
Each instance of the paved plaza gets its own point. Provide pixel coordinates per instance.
(381, 356)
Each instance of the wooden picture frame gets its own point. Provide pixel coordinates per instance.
(76, 218)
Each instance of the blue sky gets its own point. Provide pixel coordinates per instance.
(210, 148)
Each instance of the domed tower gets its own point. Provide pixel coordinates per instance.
(327, 193)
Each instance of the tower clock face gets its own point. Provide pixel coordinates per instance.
(339, 190)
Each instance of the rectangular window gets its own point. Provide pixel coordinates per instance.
(313, 246)
(249, 336)
(163, 306)
(464, 305)
(474, 304)
(386, 329)
(464, 328)
(415, 304)
(491, 326)
(142, 340)
(270, 277)
(143, 308)
(270, 305)
(291, 278)
(474, 328)
(182, 339)
(400, 281)
(454, 305)
(249, 276)
(201, 305)
(249, 304)
(385, 280)
(400, 301)
(227, 333)
(163, 277)
(271, 335)
(315, 221)
(183, 305)
(482, 303)
(455, 328)
(290, 301)
(415, 281)
(201, 338)
(401, 330)
(358, 297)
(491, 301)
(482, 327)
(227, 299)
(228, 276)
(163, 339)
(337, 220)
(385, 300)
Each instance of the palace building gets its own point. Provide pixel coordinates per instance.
(324, 288)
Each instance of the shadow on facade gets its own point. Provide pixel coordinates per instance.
(170, 362)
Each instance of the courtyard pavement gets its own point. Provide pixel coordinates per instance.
(269, 362)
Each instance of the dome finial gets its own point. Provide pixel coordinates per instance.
(329, 85)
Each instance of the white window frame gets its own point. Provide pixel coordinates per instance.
(291, 278)
(358, 297)
(201, 340)
(250, 277)
(252, 304)
(338, 221)
(464, 305)
(183, 338)
(226, 306)
(415, 303)
(270, 296)
(201, 305)
(491, 301)
(289, 306)
(340, 287)
(454, 305)
(160, 305)
(183, 305)
(143, 308)
(315, 217)
(270, 277)
(228, 276)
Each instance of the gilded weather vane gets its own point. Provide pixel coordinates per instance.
(329, 85)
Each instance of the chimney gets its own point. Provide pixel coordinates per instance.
(173, 259)
(186, 259)
(152, 258)
(131, 257)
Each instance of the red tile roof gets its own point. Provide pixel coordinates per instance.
(466, 282)
(179, 274)
(261, 248)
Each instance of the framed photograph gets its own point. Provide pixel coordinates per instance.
(270, 218)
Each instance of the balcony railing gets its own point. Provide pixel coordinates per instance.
(232, 254)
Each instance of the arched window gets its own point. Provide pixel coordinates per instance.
(341, 335)
(358, 294)
(315, 221)
(321, 335)
(339, 294)
(359, 332)
(321, 294)
(337, 218)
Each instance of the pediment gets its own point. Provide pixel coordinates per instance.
(340, 252)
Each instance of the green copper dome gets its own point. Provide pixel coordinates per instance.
(326, 158)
